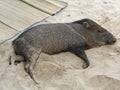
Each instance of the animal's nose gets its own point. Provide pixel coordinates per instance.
(114, 41)
(109, 41)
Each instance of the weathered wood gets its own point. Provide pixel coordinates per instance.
(6, 32)
(43, 5)
(19, 15)
(56, 2)
(16, 15)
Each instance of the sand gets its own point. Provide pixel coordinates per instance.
(64, 71)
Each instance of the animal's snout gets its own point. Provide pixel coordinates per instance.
(114, 41)
(111, 41)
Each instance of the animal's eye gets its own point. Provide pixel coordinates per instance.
(100, 31)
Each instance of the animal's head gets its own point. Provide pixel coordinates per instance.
(96, 34)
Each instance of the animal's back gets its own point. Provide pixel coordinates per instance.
(50, 38)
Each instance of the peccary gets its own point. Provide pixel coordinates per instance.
(51, 39)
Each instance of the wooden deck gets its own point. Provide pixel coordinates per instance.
(16, 15)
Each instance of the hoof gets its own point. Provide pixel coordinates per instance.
(85, 65)
(16, 62)
(29, 71)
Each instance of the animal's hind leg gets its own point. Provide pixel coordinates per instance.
(18, 59)
(30, 63)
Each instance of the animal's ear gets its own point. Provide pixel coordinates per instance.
(86, 25)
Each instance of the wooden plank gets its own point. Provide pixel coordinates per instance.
(43, 5)
(6, 32)
(56, 2)
(19, 15)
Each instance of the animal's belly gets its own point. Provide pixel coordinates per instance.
(54, 48)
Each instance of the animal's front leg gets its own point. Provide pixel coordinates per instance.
(80, 53)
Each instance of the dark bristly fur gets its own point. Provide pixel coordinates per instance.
(60, 37)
